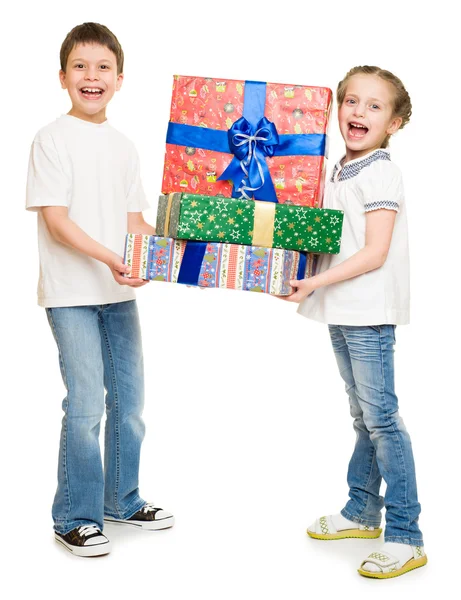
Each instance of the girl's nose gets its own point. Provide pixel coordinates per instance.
(359, 110)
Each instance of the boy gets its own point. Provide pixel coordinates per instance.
(84, 182)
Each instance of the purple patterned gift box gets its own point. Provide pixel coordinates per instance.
(216, 265)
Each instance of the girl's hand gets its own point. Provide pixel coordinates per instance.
(303, 287)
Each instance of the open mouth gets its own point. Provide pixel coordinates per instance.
(91, 93)
(357, 131)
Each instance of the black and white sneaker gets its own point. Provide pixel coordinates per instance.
(148, 517)
(87, 540)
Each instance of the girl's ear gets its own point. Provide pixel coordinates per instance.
(394, 125)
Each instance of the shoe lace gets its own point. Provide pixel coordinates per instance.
(148, 507)
(87, 530)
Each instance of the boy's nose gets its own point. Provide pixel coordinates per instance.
(92, 75)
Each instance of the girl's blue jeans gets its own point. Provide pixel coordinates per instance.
(365, 357)
(100, 355)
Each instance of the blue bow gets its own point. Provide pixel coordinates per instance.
(250, 145)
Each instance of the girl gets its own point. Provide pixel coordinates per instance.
(363, 293)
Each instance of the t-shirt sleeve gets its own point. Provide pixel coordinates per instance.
(47, 182)
(136, 201)
(382, 187)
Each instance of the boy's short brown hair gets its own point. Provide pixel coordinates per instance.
(91, 33)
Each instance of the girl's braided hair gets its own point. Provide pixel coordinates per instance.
(402, 102)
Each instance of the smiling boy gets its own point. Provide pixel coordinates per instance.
(84, 183)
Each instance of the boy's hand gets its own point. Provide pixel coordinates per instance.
(303, 287)
(118, 269)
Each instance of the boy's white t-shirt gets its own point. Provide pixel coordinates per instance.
(381, 296)
(93, 170)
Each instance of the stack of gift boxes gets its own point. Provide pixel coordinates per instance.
(241, 203)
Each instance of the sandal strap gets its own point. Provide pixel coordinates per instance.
(365, 527)
(386, 562)
(325, 525)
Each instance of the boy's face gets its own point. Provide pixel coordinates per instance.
(91, 80)
(366, 115)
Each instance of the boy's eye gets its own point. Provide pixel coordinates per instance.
(78, 66)
(104, 67)
(375, 106)
(350, 101)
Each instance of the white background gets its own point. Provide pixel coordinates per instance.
(248, 430)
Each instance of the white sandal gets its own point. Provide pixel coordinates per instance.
(324, 529)
(390, 565)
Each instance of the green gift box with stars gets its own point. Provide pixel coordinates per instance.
(249, 222)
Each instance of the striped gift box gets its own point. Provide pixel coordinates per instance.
(231, 266)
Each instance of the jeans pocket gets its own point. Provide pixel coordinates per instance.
(376, 328)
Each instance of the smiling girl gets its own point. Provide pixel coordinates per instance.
(362, 293)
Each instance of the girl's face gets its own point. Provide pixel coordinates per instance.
(366, 115)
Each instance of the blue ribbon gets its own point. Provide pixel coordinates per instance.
(189, 271)
(302, 265)
(251, 139)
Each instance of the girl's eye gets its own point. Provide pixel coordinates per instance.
(104, 66)
(350, 101)
(375, 106)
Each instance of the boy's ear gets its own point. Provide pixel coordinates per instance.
(119, 82)
(62, 79)
(394, 125)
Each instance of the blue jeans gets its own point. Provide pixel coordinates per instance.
(99, 348)
(365, 357)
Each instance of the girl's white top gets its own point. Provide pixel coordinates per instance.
(381, 296)
(93, 170)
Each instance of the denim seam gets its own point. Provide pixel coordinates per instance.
(368, 495)
(116, 407)
(383, 377)
(402, 466)
(371, 469)
(67, 491)
(395, 434)
(369, 478)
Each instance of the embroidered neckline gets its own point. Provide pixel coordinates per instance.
(352, 168)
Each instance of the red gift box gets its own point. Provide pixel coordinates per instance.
(210, 107)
